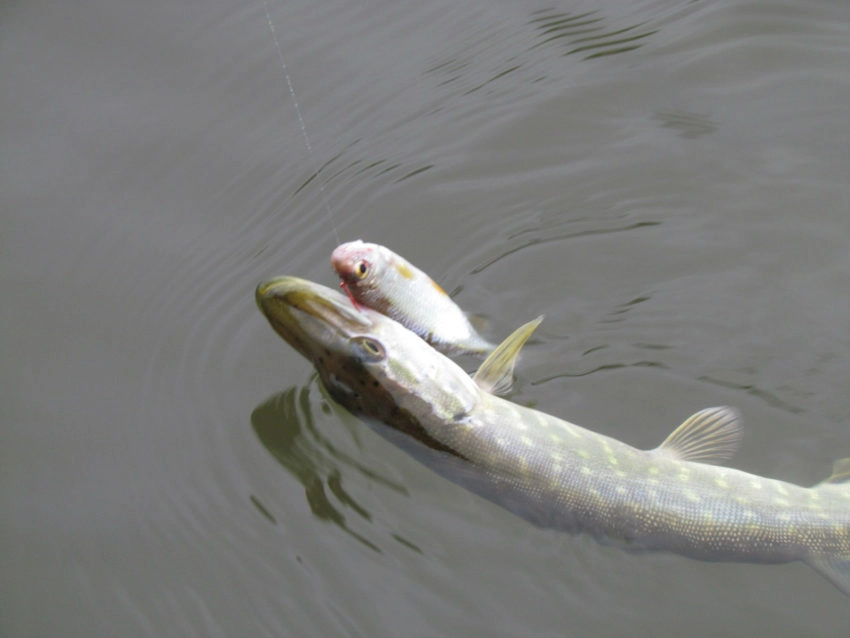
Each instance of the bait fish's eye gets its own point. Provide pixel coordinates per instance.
(361, 268)
(371, 349)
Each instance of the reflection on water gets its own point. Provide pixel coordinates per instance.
(285, 425)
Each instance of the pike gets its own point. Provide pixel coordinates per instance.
(554, 473)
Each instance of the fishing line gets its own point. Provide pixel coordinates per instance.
(301, 123)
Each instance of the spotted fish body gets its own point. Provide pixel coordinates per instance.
(376, 277)
(555, 473)
(573, 479)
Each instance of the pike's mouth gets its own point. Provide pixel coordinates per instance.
(308, 315)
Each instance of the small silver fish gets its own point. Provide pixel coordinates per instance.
(376, 277)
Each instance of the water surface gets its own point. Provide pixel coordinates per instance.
(666, 181)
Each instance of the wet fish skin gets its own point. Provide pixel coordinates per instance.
(555, 473)
(376, 277)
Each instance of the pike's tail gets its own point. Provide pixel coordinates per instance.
(836, 566)
(836, 569)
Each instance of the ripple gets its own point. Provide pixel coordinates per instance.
(689, 125)
(586, 34)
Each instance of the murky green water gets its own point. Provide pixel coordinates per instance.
(668, 182)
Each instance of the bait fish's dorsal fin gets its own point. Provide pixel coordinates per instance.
(712, 435)
(497, 372)
(840, 471)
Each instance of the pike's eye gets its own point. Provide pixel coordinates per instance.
(361, 268)
(371, 349)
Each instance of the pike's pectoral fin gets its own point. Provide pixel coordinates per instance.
(835, 568)
(840, 471)
(712, 435)
(496, 374)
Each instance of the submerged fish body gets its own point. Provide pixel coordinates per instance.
(376, 277)
(555, 473)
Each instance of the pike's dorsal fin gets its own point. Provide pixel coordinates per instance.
(496, 374)
(712, 435)
(840, 471)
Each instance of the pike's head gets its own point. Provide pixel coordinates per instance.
(372, 365)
